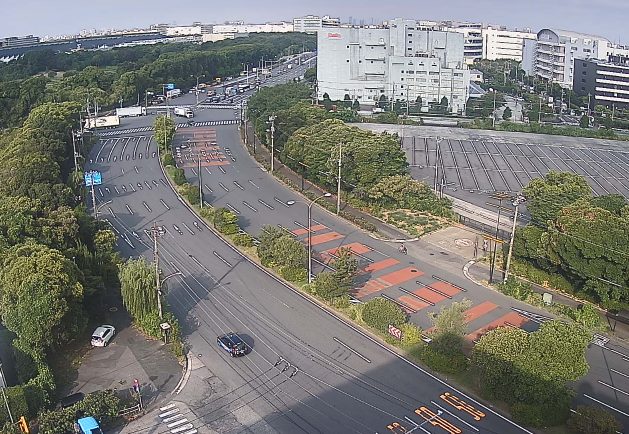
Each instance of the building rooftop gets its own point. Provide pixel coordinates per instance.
(572, 34)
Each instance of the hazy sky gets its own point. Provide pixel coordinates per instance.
(607, 18)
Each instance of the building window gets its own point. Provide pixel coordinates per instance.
(409, 48)
(410, 34)
(410, 42)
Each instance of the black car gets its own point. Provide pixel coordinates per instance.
(232, 344)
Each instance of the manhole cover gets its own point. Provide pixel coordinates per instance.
(113, 309)
(463, 242)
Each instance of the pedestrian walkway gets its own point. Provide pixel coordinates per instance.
(117, 132)
(175, 421)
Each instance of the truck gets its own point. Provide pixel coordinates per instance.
(243, 87)
(173, 93)
(102, 122)
(230, 91)
(130, 112)
(185, 112)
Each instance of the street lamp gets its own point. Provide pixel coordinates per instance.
(519, 200)
(196, 89)
(310, 234)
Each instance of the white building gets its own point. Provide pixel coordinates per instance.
(313, 23)
(183, 30)
(473, 41)
(281, 27)
(555, 51)
(400, 62)
(500, 43)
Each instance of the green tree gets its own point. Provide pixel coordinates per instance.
(346, 266)
(164, 130)
(225, 221)
(584, 122)
(137, 287)
(450, 319)
(379, 313)
(548, 195)
(506, 114)
(614, 203)
(326, 286)
(41, 297)
(267, 238)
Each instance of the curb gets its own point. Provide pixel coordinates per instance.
(185, 377)
(468, 276)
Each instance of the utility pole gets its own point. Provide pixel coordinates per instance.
(589, 97)
(436, 183)
(243, 113)
(94, 198)
(493, 114)
(272, 130)
(76, 166)
(338, 184)
(500, 197)
(539, 113)
(200, 184)
(516, 202)
(3, 385)
(156, 232)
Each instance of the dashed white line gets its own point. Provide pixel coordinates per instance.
(234, 210)
(249, 206)
(222, 259)
(606, 405)
(239, 186)
(265, 204)
(146, 206)
(129, 209)
(223, 186)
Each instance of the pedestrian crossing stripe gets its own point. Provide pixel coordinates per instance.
(182, 125)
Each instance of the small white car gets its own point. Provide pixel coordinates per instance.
(102, 335)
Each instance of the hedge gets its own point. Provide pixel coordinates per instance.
(379, 313)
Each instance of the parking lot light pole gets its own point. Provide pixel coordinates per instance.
(519, 200)
(310, 234)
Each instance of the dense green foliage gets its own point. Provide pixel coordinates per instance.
(402, 191)
(57, 262)
(380, 313)
(164, 129)
(530, 370)
(593, 420)
(281, 250)
(573, 235)
(225, 221)
(105, 77)
(137, 287)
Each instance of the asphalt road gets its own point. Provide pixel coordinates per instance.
(345, 381)
(330, 377)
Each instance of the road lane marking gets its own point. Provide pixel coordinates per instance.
(353, 351)
(266, 204)
(278, 200)
(613, 388)
(249, 206)
(129, 209)
(234, 210)
(606, 405)
(253, 183)
(221, 168)
(239, 186)
(456, 417)
(222, 259)
(619, 373)
(188, 228)
(146, 206)
(223, 186)
(165, 204)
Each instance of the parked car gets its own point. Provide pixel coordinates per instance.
(232, 343)
(102, 335)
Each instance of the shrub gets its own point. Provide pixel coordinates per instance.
(379, 313)
(326, 286)
(542, 414)
(191, 193)
(293, 274)
(592, 420)
(16, 399)
(440, 362)
(411, 334)
(243, 239)
(207, 212)
(225, 221)
(168, 159)
(179, 176)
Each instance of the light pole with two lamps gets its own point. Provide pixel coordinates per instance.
(310, 234)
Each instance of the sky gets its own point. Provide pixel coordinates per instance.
(606, 18)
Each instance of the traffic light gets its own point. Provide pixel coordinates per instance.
(23, 424)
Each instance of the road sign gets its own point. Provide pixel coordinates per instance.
(395, 332)
(170, 86)
(92, 177)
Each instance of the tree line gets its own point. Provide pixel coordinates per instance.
(125, 74)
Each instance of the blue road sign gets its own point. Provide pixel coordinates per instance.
(170, 86)
(97, 178)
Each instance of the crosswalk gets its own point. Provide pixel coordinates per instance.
(182, 125)
(202, 106)
(175, 421)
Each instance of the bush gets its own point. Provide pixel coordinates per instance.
(294, 274)
(542, 414)
(225, 221)
(326, 286)
(191, 192)
(168, 159)
(179, 176)
(207, 212)
(16, 399)
(243, 240)
(411, 334)
(592, 420)
(440, 362)
(379, 313)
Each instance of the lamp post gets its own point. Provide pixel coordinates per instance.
(310, 234)
(196, 89)
(519, 200)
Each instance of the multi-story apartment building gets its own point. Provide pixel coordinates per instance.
(313, 23)
(552, 55)
(472, 42)
(501, 43)
(281, 27)
(606, 83)
(402, 61)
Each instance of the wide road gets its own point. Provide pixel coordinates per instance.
(307, 370)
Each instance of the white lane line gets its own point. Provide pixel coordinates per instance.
(101, 149)
(253, 183)
(112, 150)
(278, 200)
(188, 228)
(249, 206)
(167, 407)
(179, 422)
(129, 209)
(265, 204)
(239, 186)
(165, 204)
(208, 188)
(624, 356)
(606, 405)
(619, 373)
(221, 169)
(208, 171)
(453, 415)
(194, 171)
(613, 388)
(353, 351)
(222, 259)
(223, 186)
(181, 428)
(146, 206)
(234, 210)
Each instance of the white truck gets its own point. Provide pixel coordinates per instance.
(130, 112)
(185, 112)
(173, 93)
(102, 122)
